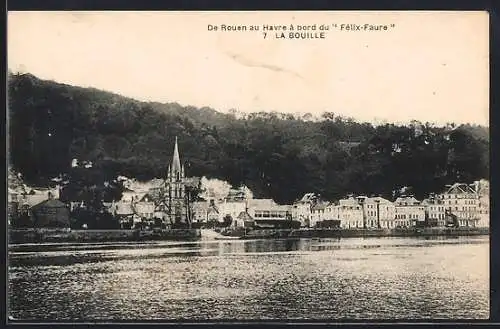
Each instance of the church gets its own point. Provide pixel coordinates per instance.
(175, 197)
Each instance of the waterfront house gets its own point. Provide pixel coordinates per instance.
(377, 212)
(409, 212)
(229, 207)
(350, 213)
(462, 200)
(322, 211)
(124, 212)
(266, 212)
(302, 212)
(205, 211)
(302, 209)
(144, 207)
(268, 209)
(51, 213)
(434, 210)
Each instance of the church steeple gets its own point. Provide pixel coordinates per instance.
(176, 161)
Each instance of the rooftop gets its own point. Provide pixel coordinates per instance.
(460, 188)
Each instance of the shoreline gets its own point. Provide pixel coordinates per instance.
(45, 236)
(357, 233)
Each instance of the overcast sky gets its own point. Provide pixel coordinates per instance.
(430, 66)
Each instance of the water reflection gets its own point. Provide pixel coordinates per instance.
(389, 278)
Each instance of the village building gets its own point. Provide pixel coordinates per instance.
(233, 204)
(409, 212)
(322, 211)
(268, 209)
(22, 203)
(377, 212)
(462, 201)
(434, 210)
(51, 213)
(144, 207)
(350, 213)
(244, 219)
(267, 213)
(302, 209)
(123, 212)
(205, 212)
(302, 212)
(231, 207)
(200, 209)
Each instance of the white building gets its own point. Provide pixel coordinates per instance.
(302, 209)
(434, 210)
(302, 212)
(145, 207)
(350, 213)
(462, 201)
(230, 207)
(378, 212)
(408, 212)
(206, 211)
(260, 209)
(322, 211)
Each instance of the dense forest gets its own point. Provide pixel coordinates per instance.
(281, 156)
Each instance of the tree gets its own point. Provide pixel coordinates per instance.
(227, 221)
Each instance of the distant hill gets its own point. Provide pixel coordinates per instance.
(275, 155)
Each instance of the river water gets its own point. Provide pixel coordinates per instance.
(329, 279)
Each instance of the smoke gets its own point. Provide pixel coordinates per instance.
(214, 188)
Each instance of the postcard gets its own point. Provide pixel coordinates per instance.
(206, 166)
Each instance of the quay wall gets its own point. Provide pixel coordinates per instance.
(346, 233)
(62, 235)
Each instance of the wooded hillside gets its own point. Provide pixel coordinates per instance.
(276, 155)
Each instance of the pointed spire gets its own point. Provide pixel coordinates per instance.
(176, 162)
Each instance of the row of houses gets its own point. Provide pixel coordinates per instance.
(469, 203)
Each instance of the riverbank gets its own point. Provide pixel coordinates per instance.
(89, 236)
(60, 236)
(347, 233)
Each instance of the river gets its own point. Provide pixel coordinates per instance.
(306, 279)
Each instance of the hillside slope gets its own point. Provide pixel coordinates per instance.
(276, 155)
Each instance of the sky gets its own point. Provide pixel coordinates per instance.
(427, 66)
